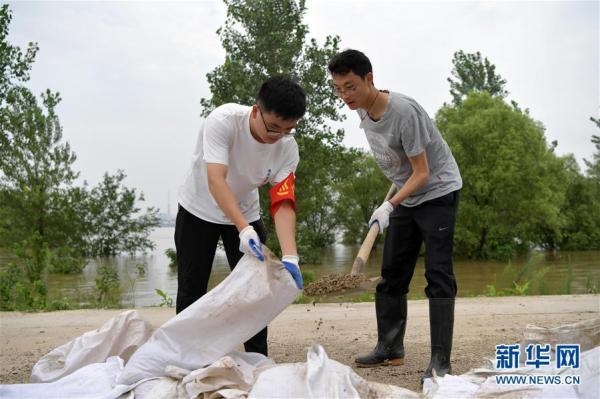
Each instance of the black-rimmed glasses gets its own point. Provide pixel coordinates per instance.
(272, 133)
(340, 91)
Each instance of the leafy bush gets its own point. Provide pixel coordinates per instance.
(108, 287)
(172, 255)
(65, 260)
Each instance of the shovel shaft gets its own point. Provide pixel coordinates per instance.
(365, 249)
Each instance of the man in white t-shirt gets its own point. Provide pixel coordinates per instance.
(412, 153)
(239, 149)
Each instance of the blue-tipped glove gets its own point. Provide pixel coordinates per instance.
(381, 216)
(290, 262)
(250, 243)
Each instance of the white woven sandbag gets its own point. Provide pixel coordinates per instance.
(93, 381)
(120, 336)
(231, 313)
(320, 378)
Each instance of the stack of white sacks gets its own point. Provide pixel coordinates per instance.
(192, 355)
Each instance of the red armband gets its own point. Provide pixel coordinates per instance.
(283, 191)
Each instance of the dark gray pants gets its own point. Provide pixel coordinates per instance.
(196, 243)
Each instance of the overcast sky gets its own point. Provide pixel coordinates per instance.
(131, 75)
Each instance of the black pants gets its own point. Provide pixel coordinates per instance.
(431, 222)
(196, 243)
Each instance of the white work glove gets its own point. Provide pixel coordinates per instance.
(250, 243)
(381, 216)
(290, 262)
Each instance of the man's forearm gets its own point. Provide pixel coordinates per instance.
(285, 226)
(418, 177)
(227, 202)
(414, 182)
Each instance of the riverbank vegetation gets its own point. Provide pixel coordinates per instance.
(518, 194)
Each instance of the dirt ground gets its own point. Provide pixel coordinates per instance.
(344, 330)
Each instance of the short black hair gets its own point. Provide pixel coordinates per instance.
(283, 96)
(350, 61)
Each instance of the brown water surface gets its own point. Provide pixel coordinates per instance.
(559, 273)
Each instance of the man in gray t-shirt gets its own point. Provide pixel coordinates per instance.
(413, 155)
(403, 131)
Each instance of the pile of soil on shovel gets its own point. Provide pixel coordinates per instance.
(333, 283)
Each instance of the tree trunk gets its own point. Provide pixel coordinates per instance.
(482, 238)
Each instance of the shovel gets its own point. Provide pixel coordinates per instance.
(367, 245)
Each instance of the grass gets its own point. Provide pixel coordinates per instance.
(308, 276)
(366, 297)
(592, 285)
(305, 299)
(566, 286)
(529, 280)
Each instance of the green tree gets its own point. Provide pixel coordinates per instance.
(263, 38)
(47, 221)
(35, 165)
(14, 63)
(114, 223)
(472, 73)
(581, 209)
(37, 170)
(593, 166)
(360, 194)
(513, 184)
(582, 203)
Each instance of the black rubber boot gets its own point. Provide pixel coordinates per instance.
(441, 324)
(391, 325)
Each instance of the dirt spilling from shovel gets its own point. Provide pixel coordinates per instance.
(334, 283)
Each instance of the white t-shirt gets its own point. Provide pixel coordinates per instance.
(225, 138)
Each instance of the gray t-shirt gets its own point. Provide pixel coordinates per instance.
(405, 130)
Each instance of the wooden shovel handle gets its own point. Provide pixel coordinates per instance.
(365, 249)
